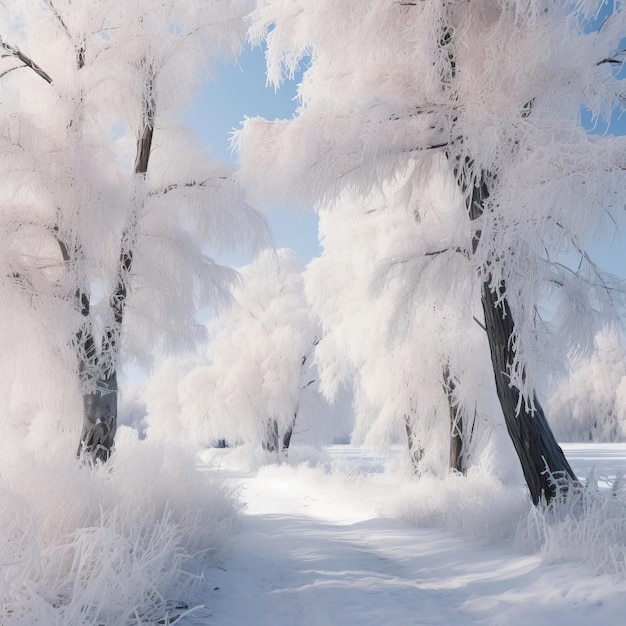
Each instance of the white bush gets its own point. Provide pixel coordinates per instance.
(590, 405)
(115, 545)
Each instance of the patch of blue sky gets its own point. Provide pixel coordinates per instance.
(239, 91)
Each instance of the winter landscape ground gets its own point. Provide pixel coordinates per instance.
(319, 548)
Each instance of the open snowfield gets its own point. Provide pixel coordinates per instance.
(315, 547)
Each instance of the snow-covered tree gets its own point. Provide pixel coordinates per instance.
(590, 403)
(258, 364)
(396, 326)
(496, 89)
(106, 205)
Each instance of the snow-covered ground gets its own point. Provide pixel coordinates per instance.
(315, 547)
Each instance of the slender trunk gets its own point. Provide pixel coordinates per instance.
(540, 456)
(289, 433)
(286, 441)
(457, 452)
(416, 450)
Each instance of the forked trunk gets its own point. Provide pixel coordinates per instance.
(100, 406)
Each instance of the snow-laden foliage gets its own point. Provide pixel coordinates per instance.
(107, 203)
(125, 544)
(495, 88)
(256, 370)
(590, 403)
(393, 303)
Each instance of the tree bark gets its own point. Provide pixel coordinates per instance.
(457, 451)
(270, 442)
(100, 406)
(99, 421)
(541, 457)
(416, 450)
(273, 442)
(288, 434)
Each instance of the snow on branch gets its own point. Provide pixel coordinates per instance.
(12, 51)
(192, 184)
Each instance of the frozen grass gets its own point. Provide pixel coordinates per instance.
(116, 545)
(589, 527)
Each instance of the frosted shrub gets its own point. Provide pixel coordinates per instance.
(589, 405)
(479, 506)
(256, 377)
(125, 544)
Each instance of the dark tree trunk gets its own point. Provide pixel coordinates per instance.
(270, 441)
(540, 455)
(286, 440)
(99, 421)
(289, 433)
(457, 451)
(416, 450)
(273, 441)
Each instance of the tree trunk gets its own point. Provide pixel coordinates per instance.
(99, 421)
(289, 433)
(270, 442)
(416, 451)
(541, 457)
(272, 437)
(100, 406)
(457, 452)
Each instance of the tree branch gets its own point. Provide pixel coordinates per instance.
(618, 59)
(188, 184)
(27, 61)
(59, 19)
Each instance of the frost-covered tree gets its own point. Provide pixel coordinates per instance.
(258, 365)
(496, 89)
(106, 205)
(590, 403)
(396, 326)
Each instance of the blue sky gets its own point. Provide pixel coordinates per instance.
(239, 91)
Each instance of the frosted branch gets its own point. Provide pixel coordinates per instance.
(58, 18)
(187, 185)
(618, 59)
(12, 51)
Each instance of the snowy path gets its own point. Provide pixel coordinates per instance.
(303, 556)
